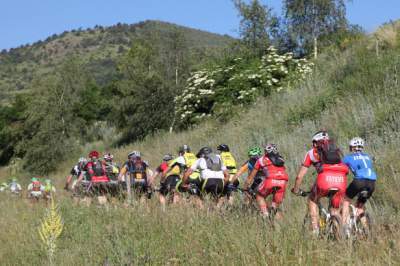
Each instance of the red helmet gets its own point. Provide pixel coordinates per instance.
(94, 154)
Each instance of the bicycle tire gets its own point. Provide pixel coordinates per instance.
(365, 229)
(334, 228)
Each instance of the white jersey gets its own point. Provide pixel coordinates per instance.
(205, 173)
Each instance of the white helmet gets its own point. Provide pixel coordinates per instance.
(82, 160)
(271, 148)
(320, 135)
(357, 142)
(108, 157)
(134, 154)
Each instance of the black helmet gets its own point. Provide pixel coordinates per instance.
(184, 148)
(204, 151)
(223, 147)
(168, 157)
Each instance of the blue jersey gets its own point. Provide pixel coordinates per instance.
(360, 165)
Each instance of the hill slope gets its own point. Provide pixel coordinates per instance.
(100, 47)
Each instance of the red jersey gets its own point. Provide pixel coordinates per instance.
(163, 167)
(311, 158)
(270, 170)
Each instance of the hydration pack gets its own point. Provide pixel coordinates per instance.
(328, 152)
(276, 159)
(98, 168)
(137, 170)
(213, 162)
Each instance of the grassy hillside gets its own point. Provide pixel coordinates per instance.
(352, 93)
(99, 47)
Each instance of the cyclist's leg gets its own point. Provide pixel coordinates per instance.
(264, 189)
(351, 191)
(262, 204)
(279, 195)
(313, 199)
(369, 186)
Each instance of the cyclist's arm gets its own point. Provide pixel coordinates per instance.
(122, 173)
(299, 178)
(250, 178)
(240, 172)
(150, 174)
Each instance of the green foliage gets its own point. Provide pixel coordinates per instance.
(308, 21)
(256, 25)
(143, 98)
(239, 82)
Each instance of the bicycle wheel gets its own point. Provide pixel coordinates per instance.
(364, 223)
(334, 228)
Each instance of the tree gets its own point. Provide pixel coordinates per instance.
(52, 127)
(142, 97)
(309, 20)
(255, 25)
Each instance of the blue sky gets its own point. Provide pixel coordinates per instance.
(27, 21)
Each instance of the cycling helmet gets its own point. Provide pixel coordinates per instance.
(94, 154)
(82, 160)
(14, 179)
(223, 147)
(271, 148)
(34, 179)
(320, 135)
(254, 152)
(108, 157)
(184, 148)
(357, 143)
(168, 157)
(134, 154)
(47, 181)
(204, 151)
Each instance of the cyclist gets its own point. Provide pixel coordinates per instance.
(14, 186)
(35, 189)
(139, 174)
(276, 178)
(254, 154)
(185, 160)
(212, 171)
(95, 171)
(75, 173)
(332, 174)
(361, 165)
(230, 163)
(112, 168)
(48, 189)
(3, 186)
(170, 171)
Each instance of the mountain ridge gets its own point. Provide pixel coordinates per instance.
(99, 46)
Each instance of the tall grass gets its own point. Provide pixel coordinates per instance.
(350, 94)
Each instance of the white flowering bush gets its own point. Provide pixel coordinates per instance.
(239, 82)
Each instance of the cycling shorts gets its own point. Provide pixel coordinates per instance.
(213, 186)
(327, 181)
(358, 185)
(169, 184)
(273, 186)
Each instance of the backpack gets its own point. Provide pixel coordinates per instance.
(137, 170)
(328, 152)
(213, 162)
(98, 168)
(276, 159)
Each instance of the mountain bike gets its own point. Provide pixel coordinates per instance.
(359, 225)
(330, 225)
